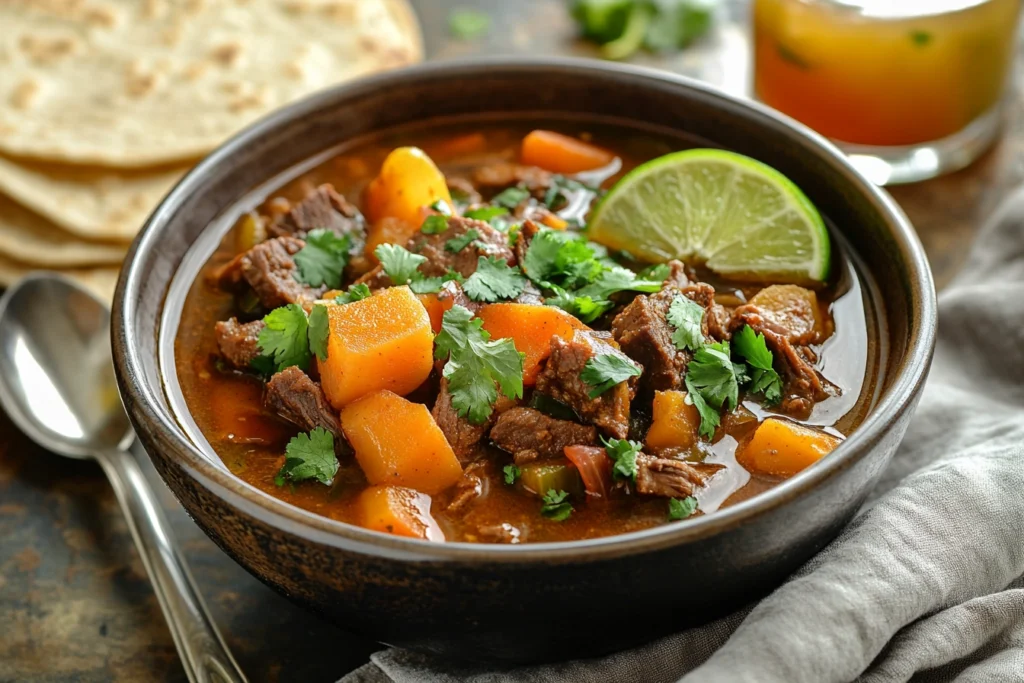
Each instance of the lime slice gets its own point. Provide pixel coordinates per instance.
(729, 212)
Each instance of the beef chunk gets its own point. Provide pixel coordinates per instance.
(451, 294)
(238, 342)
(669, 478)
(269, 268)
(292, 395)
(464, 190)
(529, 434)
(803, 384)
(467, 489)
(502, 175)
(644, 335)
(527, 232)
(463, 436)
(440, 260)
(500, 533)
(323, 208)
(561, 380)
(530, 295)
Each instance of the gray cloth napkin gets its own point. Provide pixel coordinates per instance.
(926, 584)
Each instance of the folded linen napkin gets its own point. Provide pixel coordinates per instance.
(925, 584)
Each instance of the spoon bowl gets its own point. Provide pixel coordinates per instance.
(56, 376)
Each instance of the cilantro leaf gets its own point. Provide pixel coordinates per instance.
(512, 473)
(659, 271)
(486, 213)
(559, 189)
(354, 293)
(284, 338)
(686, 315)
(436, 223)
(623, 453)
(555, 506)
(427, 285)
(606, 370)
(494, 279)
(715, 376)
(617, 279)
(322, 259)
(457, 244)
(309, 456)
(541, 261)
(511, 197)
(763, 377)
(477, 366)
(681, 508)
(709, 417)
(583, 307)
(263, 366)
(468, 24)
(318, 331)
(399, 263)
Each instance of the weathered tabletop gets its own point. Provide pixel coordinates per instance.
(75, 604)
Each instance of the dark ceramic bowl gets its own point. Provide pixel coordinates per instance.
(530, 602)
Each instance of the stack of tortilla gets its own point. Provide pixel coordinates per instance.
(104, 104)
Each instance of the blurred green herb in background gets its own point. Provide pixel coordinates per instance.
(468, 24)
(622, 27)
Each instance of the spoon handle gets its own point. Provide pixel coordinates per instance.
(203, 652)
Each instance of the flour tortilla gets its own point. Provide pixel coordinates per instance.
(94, 203)
(99, 281)
(32, 239)
(133, 83)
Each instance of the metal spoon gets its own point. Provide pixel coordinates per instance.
(57, 384)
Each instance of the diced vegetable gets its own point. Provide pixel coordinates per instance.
(250, 232)
(562, 154)
(398, 443)
(399, 511)
(530, 328)
(675, 423)
(436, 308)
(383, 342)
(595, 468)
(792, 308)
(782, 448)
(540, 477)
(408, 182)
(554, 222)
(469, 143)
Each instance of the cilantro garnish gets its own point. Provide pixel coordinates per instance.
(494, 279)
(400, 264)
(435, 224)
(354, 293)
(309, 456)
(468, 24)
(322, 259)
(606, 370)
(512, 473)
(713, 382)
(583, 307)
(511, 197)
(617, 279)
(560, 187)
(556, 507)
(486, 213)
(318, 331)
(285, 338)
(659, 271)
(681, 508)
(623, 452)
(457, 244)
(555, 256)
(686, 316)
(763, 377)
(476, 364)
(427, 285)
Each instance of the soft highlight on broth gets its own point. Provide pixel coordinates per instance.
(402, 415)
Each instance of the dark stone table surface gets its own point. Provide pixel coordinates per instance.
(75, 603)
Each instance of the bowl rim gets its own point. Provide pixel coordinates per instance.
(149, 416)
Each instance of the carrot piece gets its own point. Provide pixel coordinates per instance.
(398, 443)
(675, 424)
(531, 328)
(554, 222)
(408, 182)
(458, 145)
(399, 511)
(383, 342)
(562, 154)
(782, 448)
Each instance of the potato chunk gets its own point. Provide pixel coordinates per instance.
(781, 448)
(399, 511)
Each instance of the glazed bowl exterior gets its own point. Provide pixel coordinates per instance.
(529, 602)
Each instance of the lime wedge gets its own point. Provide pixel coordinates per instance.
(727, 211)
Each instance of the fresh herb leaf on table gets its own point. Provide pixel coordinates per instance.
(477, 365)
(607, 370)
(309, 456)
(555, 506)
(763, 377)
(322, 259)
(622, 27)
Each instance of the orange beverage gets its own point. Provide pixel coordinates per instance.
(884, 72)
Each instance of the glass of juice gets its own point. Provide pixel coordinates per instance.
(910, 89)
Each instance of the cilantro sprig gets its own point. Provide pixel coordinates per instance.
(457, 244)
(477, 365)
(556, 507)
(494, 279)
(402, 268)
(323, 258)
(623, 453)
(606, 370)
(354, 293)
(686, 316)
(290, 337)
(763, 377)
(681, 508)
(512, 473)
(713, 381)
(309, 456)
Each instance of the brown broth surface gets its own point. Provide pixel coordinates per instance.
(227, 406)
